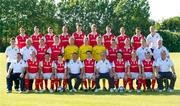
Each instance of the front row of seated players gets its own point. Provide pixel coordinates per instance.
(88, 70)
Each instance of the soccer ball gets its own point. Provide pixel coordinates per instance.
(60, 89)
(121, 89)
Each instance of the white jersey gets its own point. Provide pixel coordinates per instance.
(164, 65)
(157, 52)
(152, 41)
(11, 53)
(18, 67)
(103, 66)
(26, 52)
(141, 52)
(75, 67)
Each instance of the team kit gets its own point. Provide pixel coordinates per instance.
(69, 63)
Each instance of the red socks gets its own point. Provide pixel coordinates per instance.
(153, 83)
(144, 84)
(64, 83)
(27, 84)
(46, 83)
(116, 83)
(130, 81)
(125, 83)
(93, 84)
(139, 83)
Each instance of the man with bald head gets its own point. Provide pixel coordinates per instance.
(164, 67)
(104, 70)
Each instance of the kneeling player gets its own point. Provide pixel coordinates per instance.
(148, 71)
(134, 71)
(89, 71)
(119, 70)
(46, 67)
(60, 72)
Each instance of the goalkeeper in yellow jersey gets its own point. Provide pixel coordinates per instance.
(71, 48)
(97, 50)
(84, 48)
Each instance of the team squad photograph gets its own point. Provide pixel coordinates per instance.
(88, 61)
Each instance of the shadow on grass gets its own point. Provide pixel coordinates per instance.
(147, 93)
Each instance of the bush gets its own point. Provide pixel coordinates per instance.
(171, 40)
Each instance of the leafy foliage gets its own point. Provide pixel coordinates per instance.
(44, 13)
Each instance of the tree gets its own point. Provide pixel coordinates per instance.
(133, 13)
(172, 24)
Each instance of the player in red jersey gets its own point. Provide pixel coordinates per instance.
(49, 37)
(148, 70)
(64, 37)
(112, 51)
(108, 36)
(134, 71)
(21, 38)
(126, 50)
(60, 68)
(93, 35)
(121, 38)
(136, 39)
(56, 48)
(89, 71)
(46, 68)
(42, 49)
(120, 70)
(36, 37)
(32, 73)
(79, 35)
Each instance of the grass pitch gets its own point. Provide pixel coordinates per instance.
(90, 98)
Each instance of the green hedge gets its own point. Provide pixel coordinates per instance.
(171, 40)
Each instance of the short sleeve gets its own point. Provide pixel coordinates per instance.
(142, 64)
(81, 64)
(127, 64)
(65, 65)
(27, 64)
(97, 65)
(107, 52)
(132, 40)
(41, 64)
(11, 65)
(154, 63)
(6, 51)
(139, 62)
(62, 50)
(54, 65)
(113, 65)
(49, 50)
(68, 64)
(158, 63)
(171, 63)
(109, 65)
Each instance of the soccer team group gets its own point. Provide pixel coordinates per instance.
(57, 63)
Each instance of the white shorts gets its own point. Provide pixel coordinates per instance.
(60, 75)
(47, 75)
(88, 75)
(134, 75)
(32, 75)
(120, 75)
(148, 75)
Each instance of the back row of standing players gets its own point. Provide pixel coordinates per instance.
(80, 43)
